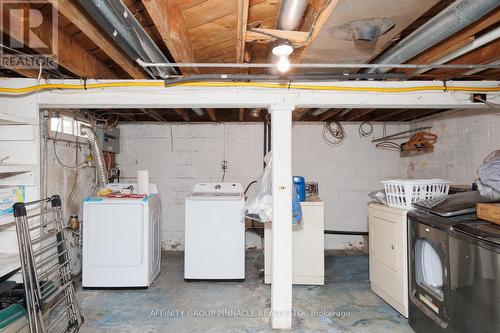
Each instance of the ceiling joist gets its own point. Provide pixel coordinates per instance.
(74, 13)
(68, 53)
(168, 18)
(271, 35)
(243, 6)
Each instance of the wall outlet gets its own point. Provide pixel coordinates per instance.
(224, 165)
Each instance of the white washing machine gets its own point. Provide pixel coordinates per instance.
(215, 233)
(121, 239)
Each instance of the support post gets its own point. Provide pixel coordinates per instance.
(281, 280)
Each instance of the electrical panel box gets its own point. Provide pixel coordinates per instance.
(109, 138)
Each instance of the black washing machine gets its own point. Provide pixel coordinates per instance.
(428, 268)
(475, 277)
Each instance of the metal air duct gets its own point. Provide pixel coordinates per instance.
(198, 111)
(289, 17)
(290, 14)
(98, 155)
(121, 25)
(454, 18)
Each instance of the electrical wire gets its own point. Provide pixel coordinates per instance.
(51, 69)
(254, 229)
(248, 186)
(77, 165)
(187, 83)
(490, 104)
(363, 132)
(337, 133)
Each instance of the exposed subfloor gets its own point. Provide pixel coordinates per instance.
(344, 304)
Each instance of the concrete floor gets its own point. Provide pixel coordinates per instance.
(344, 304)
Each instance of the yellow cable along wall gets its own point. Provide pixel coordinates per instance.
(40, 87)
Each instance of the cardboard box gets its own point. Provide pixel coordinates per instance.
(489, 212)
(8, 197)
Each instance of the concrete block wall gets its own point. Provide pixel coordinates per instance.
(180, 155)
(62, 181)
(465, 138)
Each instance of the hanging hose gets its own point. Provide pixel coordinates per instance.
(99, 156)
(336, 134)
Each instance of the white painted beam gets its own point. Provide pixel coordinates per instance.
(257, 97)
(281, 280)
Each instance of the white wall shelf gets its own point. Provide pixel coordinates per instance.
(17, 174)
(11, 119)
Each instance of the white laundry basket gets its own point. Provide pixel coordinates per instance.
(402, 193)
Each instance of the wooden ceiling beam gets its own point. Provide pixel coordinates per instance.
(69, 53)
(388, 114)
(270, 35)
(29, 73)
(243, 6)
(168, 18)
(126, 116)
(212, 114)
(321, 16)
(298, 114)
(357, 114)
(183, 114)
(155, 115)
(81, 20)
(330, 114)
(419, 114)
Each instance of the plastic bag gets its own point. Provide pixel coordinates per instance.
(489, 176)
(259, 205)
(378, 196)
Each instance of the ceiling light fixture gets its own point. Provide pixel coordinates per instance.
(283, 51)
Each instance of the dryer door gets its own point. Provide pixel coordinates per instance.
(428, 269)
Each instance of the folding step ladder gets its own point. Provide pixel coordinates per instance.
(51, 304)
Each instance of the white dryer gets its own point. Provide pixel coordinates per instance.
(121, 239)
(215, 233)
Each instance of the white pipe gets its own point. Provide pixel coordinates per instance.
(454, 18)
(319, 65)
(477, 70)
(476, 43)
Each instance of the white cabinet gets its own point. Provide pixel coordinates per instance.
(389, 255)
(308, 258)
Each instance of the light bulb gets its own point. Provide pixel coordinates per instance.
(283, 64)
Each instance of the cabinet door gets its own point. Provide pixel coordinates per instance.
(385, 255)
(384, 242)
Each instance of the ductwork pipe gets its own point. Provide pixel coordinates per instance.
(119, 23)
(317, 112)
(475, 44)
(290, 14)
(98, 155)
(289, 17)
(198, 111)
(454, 18)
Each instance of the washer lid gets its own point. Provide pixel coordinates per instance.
(218, 189)
(483, 230)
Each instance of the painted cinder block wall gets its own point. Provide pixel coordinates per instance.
(180, 155)
(465, 138)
